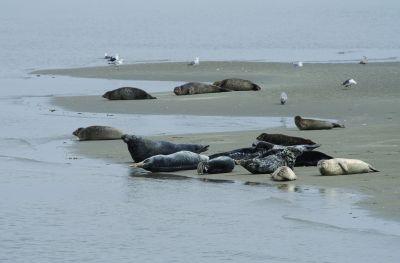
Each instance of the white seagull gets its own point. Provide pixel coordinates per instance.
(349, 82)
(195, 62)
(284, 98)
(298, 64)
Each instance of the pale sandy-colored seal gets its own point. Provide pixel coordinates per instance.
(183, 160)
(222, 164)
(311, 124)
(142, 148)
(237, 84)
(127, 93)
(197, 88)
(283, 173)
(339, 166)
(97, 133)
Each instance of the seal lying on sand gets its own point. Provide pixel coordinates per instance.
(97, 133)
(127, 93)
(141, 148)
(237, 84)
(282, 139)
(183, 160)
(222, 164)
(311, 158)
(269, 164)
(283, 173)
(338, 166)
(310, 124)
(197, 88)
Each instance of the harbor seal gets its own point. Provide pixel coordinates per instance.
(237, 84)
(311, 158)
(311, 124)
(222, 164)
(127, 93)
(282, 139)
(141, 148)
(339, 166)
(197, 88)
(283, 173)
(183, 160)
(98, 133)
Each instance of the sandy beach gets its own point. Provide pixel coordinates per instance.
(369, 111)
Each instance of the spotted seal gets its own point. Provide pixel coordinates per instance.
(311, 124)
(142, 148)
(222, 164)
(197, 88)
(282, 139)
(97, 133)
(182, 160)
(127, 93)
(237, 84)
(339, 166)
(283, 173)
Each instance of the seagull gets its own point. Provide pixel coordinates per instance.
(364, 60)
(298, 64)
(106, 56)
(349, 82)
(112, 59)
(195, 62)
(284, 98)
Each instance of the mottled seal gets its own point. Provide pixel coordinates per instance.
(283, 173)
(97, 133)
(237, 84)
(338, 166)
(269, 164)
(183, 160)
(311, 158)
(311, 124)
(127, 93)
(197, 88)
(222, 164)
(282, 139)
(141, 148)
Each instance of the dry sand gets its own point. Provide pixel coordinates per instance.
(369, 110)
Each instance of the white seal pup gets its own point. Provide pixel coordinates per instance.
(283, 173)
(339, 166)
(183, 160)
(98, 133)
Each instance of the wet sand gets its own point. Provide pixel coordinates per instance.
(369, 111)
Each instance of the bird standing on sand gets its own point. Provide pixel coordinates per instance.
(349, 82)
(284, 98)
(195, 62)
(364, 60)
(298, 64)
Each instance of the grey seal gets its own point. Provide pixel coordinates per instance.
(222, 164)
(127, 93)
(97, 133)
(311, 124)
(282, 139)
(339, 166)
(183, 160)
(237, 84)
(197, 88)
(142, 148)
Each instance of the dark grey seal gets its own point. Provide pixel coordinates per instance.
(141, 148)
(237, 84)
(282, 139)
(197, 88)
(311, 158)
(311, 124)
(127, 93)
(98, 133)
(222, 164)
(183, 160)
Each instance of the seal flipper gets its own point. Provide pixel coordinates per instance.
(372, 169)
(205, 148)
(224, 89)
(338, 125)
(201, 168)
(344, 167)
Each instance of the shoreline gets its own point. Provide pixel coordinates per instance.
(369, 111)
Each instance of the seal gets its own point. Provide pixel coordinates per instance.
(222, 164)
(283, 173)
(269, 164)
(141, 148)
(183, 160)
(311, 158)
(237, 84)
(127, 93)
(282, 139)
(339, 166)
(197, 88)
(98, 133)
(311, 124)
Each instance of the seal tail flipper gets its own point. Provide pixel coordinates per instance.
(137, 165)
(338, 125)
(205, 148)
(373, 169)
